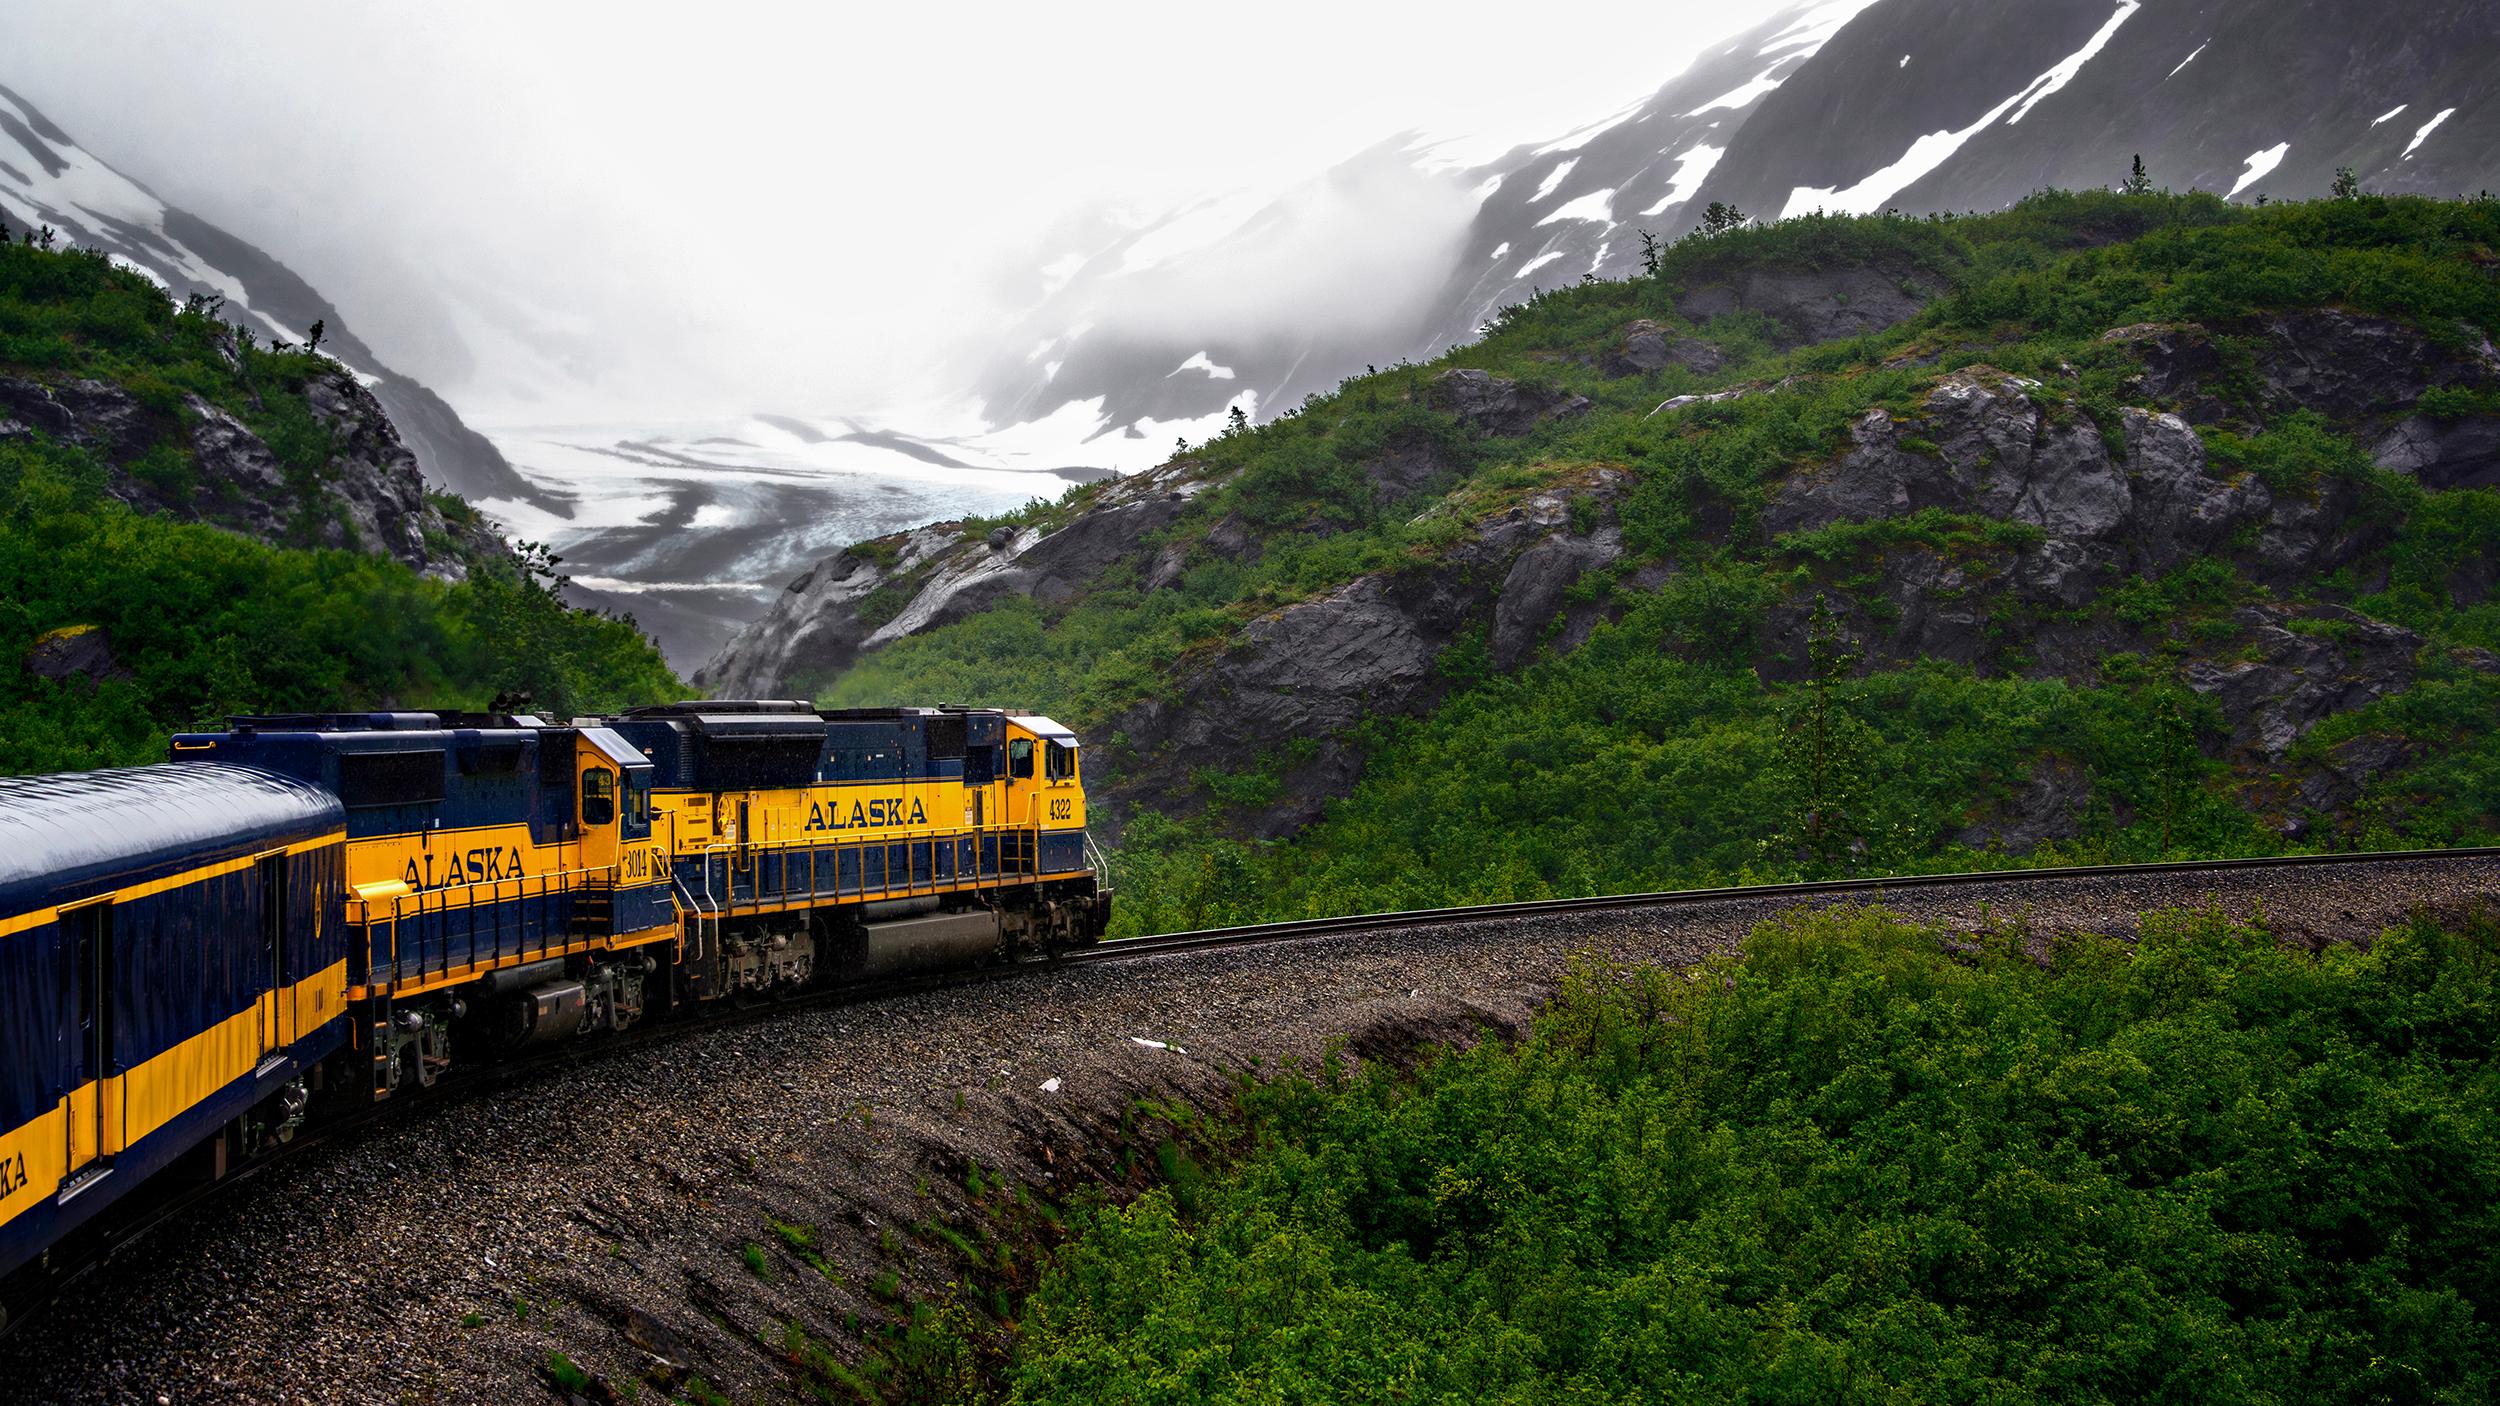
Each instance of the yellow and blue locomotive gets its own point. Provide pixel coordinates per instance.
(311, 910)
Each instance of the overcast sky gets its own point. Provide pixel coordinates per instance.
(725, 207)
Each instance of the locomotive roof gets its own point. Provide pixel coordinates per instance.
(1043, 727)
(58, 830)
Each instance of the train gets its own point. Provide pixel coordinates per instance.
(303, 914)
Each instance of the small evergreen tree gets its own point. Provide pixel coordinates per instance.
(2347, 185)
(1236, 422)
(2136, 183)
(1824, 750)
(1720, 218)
(312, 338)
(1650, 251)
(44, 240)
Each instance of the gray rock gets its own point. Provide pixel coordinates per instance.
(2351, 366)
(1536, 588)
(2459, 453)
(1407, 467)
(372, 474)
(238, 473)
(81, 655)
(1817, 305)
(1498, 406)
(2180, 364)
(2299, 679)
(1644, 346)
(1313, 670)
(94, 415)
(2355, 369)
(371, 495)
(2049, 806)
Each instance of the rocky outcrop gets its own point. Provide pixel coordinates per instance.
(1643, 346)
(873, 593)
(2285, 682)
(2443, 452)
(203, 463)
(1985, 445)
(1495, 405)
(1372, 647)
(2048, 806)
(2366, 374)
(1816, 305)
(79, 655)
(1988, 446)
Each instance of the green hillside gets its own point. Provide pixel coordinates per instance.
(1749, 702)
(196, 621)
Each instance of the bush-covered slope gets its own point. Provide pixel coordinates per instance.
(2106, 525)
(1863, 1161)
(193, 525)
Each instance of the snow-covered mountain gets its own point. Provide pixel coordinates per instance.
(1842, 105)
(48, 180)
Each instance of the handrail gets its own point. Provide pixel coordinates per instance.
(359, 909)
(741, 854)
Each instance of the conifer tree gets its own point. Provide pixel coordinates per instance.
(2137, 183)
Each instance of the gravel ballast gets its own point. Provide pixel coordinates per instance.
(603, 1209)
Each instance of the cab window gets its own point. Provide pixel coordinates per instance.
(1060, 761)
(598, 796)
(1020, 757)
(637, 808)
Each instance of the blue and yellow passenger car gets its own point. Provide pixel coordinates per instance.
(171, 970)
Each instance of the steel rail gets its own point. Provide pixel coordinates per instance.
(1257, 934)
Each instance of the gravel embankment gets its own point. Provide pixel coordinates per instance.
(601, 1210)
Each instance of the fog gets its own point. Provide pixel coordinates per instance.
(576, 211)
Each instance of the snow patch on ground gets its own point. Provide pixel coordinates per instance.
(1598, 206)
(2422, 132)
(2073, 63)
(2389, 113)
(1934, 149)
(1762, 82)
(1553, 178)
(1484, 192)
(1905, 62)
(1583, 136)
(2191, 58)
(1691, 169)
(2259, 163)
(1057, 272)
(1199, 362)
(1501, 249)
(1536, 263)
(1192, 229)
(1813, 29)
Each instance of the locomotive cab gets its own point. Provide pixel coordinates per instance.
(1043, 790)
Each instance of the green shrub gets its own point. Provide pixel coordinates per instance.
(1863, 1161)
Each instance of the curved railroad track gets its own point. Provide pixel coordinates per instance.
(121, 1233)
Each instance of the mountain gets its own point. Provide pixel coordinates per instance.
(48, 179)
(1849, 106)
(2109, 525)
(194, 523)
